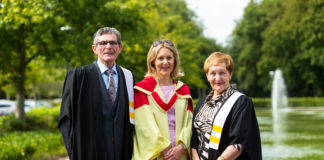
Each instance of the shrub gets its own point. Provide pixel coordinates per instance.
(31, 145)
(35, 138)
(261, 102)
(37, 119)
(292, 102)
(306, 101)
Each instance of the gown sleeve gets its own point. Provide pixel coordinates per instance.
(64, 123)
(244, 128)
(148, 140)
(185, 133)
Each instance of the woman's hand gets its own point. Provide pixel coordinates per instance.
(230, 153)
(194, 154)
(173, 153)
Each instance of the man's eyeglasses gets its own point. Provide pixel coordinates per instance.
(156, 43)
(104, 43)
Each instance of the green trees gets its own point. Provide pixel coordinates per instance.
(295, 40)
(38, 37)
(283, 34)
(26, 29)
(246, 51)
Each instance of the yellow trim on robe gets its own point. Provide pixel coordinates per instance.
(152, 129)
(217, 129)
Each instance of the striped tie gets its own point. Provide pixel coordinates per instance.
(111, 87)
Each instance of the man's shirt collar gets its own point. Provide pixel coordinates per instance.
(103, 68)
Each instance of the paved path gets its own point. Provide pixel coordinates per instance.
(60, 158)
(63, 158)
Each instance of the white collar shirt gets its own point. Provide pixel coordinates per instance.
(103, 70)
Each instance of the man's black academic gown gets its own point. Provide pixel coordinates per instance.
(92, 128)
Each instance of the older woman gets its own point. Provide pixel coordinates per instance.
(224, 122)
(163, 108)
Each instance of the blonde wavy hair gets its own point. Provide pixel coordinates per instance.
(152, 55)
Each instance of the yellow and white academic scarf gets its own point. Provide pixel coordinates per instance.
(219, 120)
(130, 90)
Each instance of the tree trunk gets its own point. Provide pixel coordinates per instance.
(20, 101)
(21, 92)
(201, 92)
(8, 96)
(19, 83)
(35, 93)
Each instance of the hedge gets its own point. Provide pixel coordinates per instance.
(31, 145)
(292, 102)
(36, 138)
(306, 102)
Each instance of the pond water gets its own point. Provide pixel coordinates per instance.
(292, 134)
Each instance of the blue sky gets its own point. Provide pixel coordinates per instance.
(218, 16)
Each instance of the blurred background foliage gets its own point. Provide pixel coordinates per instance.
(41, 39)
(41, 42)
(35, 138)
(284, 34)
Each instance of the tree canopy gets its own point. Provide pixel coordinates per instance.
(27, 30)
(41, 39)
(38, 36)
(283, 34)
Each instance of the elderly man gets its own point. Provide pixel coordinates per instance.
(97, 104)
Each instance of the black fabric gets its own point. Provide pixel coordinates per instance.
(241, 127)
(87, 131)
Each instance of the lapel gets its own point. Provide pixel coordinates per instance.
(121, 97)
(150, 87)
(159, 97)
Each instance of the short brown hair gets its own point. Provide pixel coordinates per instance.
(217, 58)
(152, 55)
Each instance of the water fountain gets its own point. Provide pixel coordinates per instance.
(279, 104)
(278, 93)
(287, 132)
